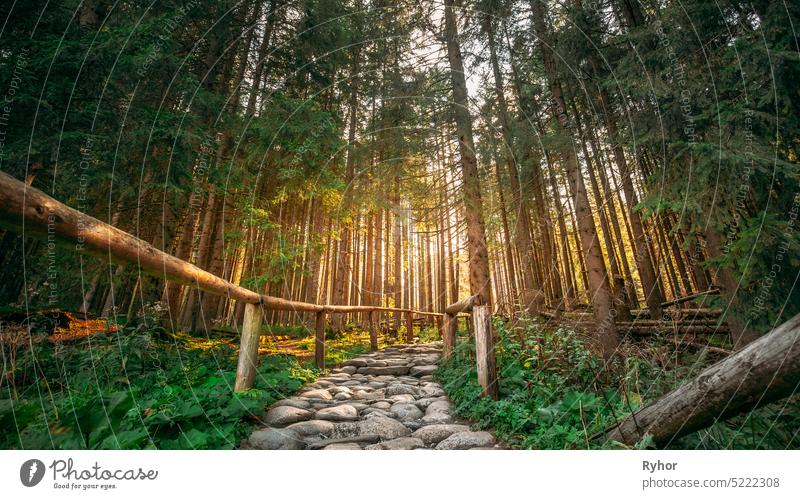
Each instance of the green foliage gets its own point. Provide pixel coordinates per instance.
(551, 397)
(774, 426)
(339, 355)
(428, 333)
(548, 394)
(135, 390)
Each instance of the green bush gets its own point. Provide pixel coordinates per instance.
(551, 396)
(549, 391)
(137, 389)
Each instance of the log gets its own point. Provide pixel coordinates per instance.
(646, 331)
(682, 313)
(643, 329)
(704, 346)
(766, 370)
(461, 306)
(346, 309)
(409, 327)
(684, 299)
(31, 212)
(40, 215)
(248, 350)
(25, 207)
(449, 327)
(319, 340)
(484, 351)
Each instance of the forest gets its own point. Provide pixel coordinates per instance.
(587, 208)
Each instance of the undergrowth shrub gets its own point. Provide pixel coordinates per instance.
(549, 394)
(554, 396)
(136, 389)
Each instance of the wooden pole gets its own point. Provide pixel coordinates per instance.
(373, 331)
(440, 326)
(484, 350)
(409, 327)
(449, 334)
(319, 344)
(248, 350)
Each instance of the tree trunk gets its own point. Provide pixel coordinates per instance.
(601, 297)
(522, 229)
(480, 286)
(344, 269)
(766, 370)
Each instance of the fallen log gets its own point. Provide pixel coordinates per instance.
(680, 330)
(684, 299)
(766, 370)
(643, 328)
(704, 346)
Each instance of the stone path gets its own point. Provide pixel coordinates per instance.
(380, 401)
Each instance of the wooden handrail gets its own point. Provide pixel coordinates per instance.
(31, 212)
(25, 208)
(484, 341)
(464, 305)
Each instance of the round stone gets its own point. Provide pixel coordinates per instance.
(285, 415)
(400, 389)
(405, 411)
(293, 402)
(343, 446)
(403, 397)
(276, 439)
(338, 413)
(466, 440)
(431, 391)
(312, 428)
(385, 428)
(422, 370)
(317, 394)
(403, 443)
(435, 433)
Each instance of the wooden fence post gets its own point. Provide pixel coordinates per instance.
(319, 343)
(373, 331)
(440, 326)
(409, 327)
(248, 349)
(449, 334)
(484, 351)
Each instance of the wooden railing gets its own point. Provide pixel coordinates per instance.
(33, 213)
(484, 341)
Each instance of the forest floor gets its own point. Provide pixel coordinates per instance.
(165, 390)
(384, 400)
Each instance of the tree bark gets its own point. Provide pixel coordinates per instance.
(601, 297)
(480, 285)
(766, 370)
